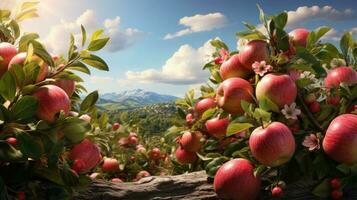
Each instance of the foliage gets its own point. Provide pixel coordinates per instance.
(38, 163)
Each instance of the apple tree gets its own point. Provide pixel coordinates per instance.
(279, 110)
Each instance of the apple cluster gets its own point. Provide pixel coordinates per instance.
(279, 97)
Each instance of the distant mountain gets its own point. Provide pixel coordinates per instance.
(131, 99)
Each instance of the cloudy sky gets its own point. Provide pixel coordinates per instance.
(161, 45)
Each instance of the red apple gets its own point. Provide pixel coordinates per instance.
(299, 36)
(85, 118)
(7, 52)
(12, 141)
(333, 100)
(255, 50)
(155, 154)
(315, 107)
(116, 180)
(185, 157)
(217, 127)
(88, 153)
(133, 134)
(278, 88)
(20, 60)
(140, 148)
(116, 126)
(235, 180)
(52, 100)
(204, 104)
(189, 119)
(272, 145)
(78, 166)
(340, 75)
(231, 92)
(335, 183)
(191, 141)
(340, 141)
(233, 68)
(123, 141)
(110, 165)
(132, 140)
(68, 86)
(310, 98)
(21, 196)
(336, 194)
(277, 191)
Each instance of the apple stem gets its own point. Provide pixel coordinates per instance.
(310, 116)
(261, 121)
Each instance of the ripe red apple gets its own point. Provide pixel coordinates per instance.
(20, 60)
(78, 166)
(69, 86)
(231, 92)
(315, 107)
(278, 88)
(110, 165)
(340, 141)
(12, 141)
(116, 180)
(21, 196)
(189, 119)
(233, 68)
(85, 118)
(235, 180)
(185, 157)
(217, 127)
(133, 134)
(132, 140)
(335, 183)
(277, 191)
(255, 50)
(336, 194)
(116, 126)
(340, 75)
(7, 52)
(333, 100)
(191, 141)
(299, 36)
(88, 153)
(52, 100)
(204, 104)
(155, 154)
(272, 145)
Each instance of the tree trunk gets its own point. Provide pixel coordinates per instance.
(186, 186)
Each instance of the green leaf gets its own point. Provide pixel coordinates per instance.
(321, 32)
(246, 106)
(346, 42)
(71, 48)
(68, 176)
(89, 102)
(3, 191)
(97, 34)
(282, 39)
(234, 128)
(8, 86)
(259, 170)
(262, 18)
(268, 105)
(74, 129)
(250, 35)
(24, 109)
(9, 153)
(281, 20)
(96, 62)
(27, 14)
(98, 44)
(79, 66)
(41, 52)
(219, 44)
(4, 14)
(181, 113)
(29, 146)
(343, 168)
(25, 39)
(308, 57)
(29, 5)
(323, 189)
(84, 35)
(208, 113)
(103, 120)
(261, 114)
(15, 28)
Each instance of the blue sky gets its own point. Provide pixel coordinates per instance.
(139, 56)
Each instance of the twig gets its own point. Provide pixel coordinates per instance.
(310, 116)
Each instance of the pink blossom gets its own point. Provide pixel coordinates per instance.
(261, 67)
(224, 55)
(312, 142)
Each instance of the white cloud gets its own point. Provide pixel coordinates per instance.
(120, 38)
(305, 14)
(199, 23)
(333, 34)
(183, 67)
(101, 79)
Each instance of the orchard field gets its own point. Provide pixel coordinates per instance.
(275, 120)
